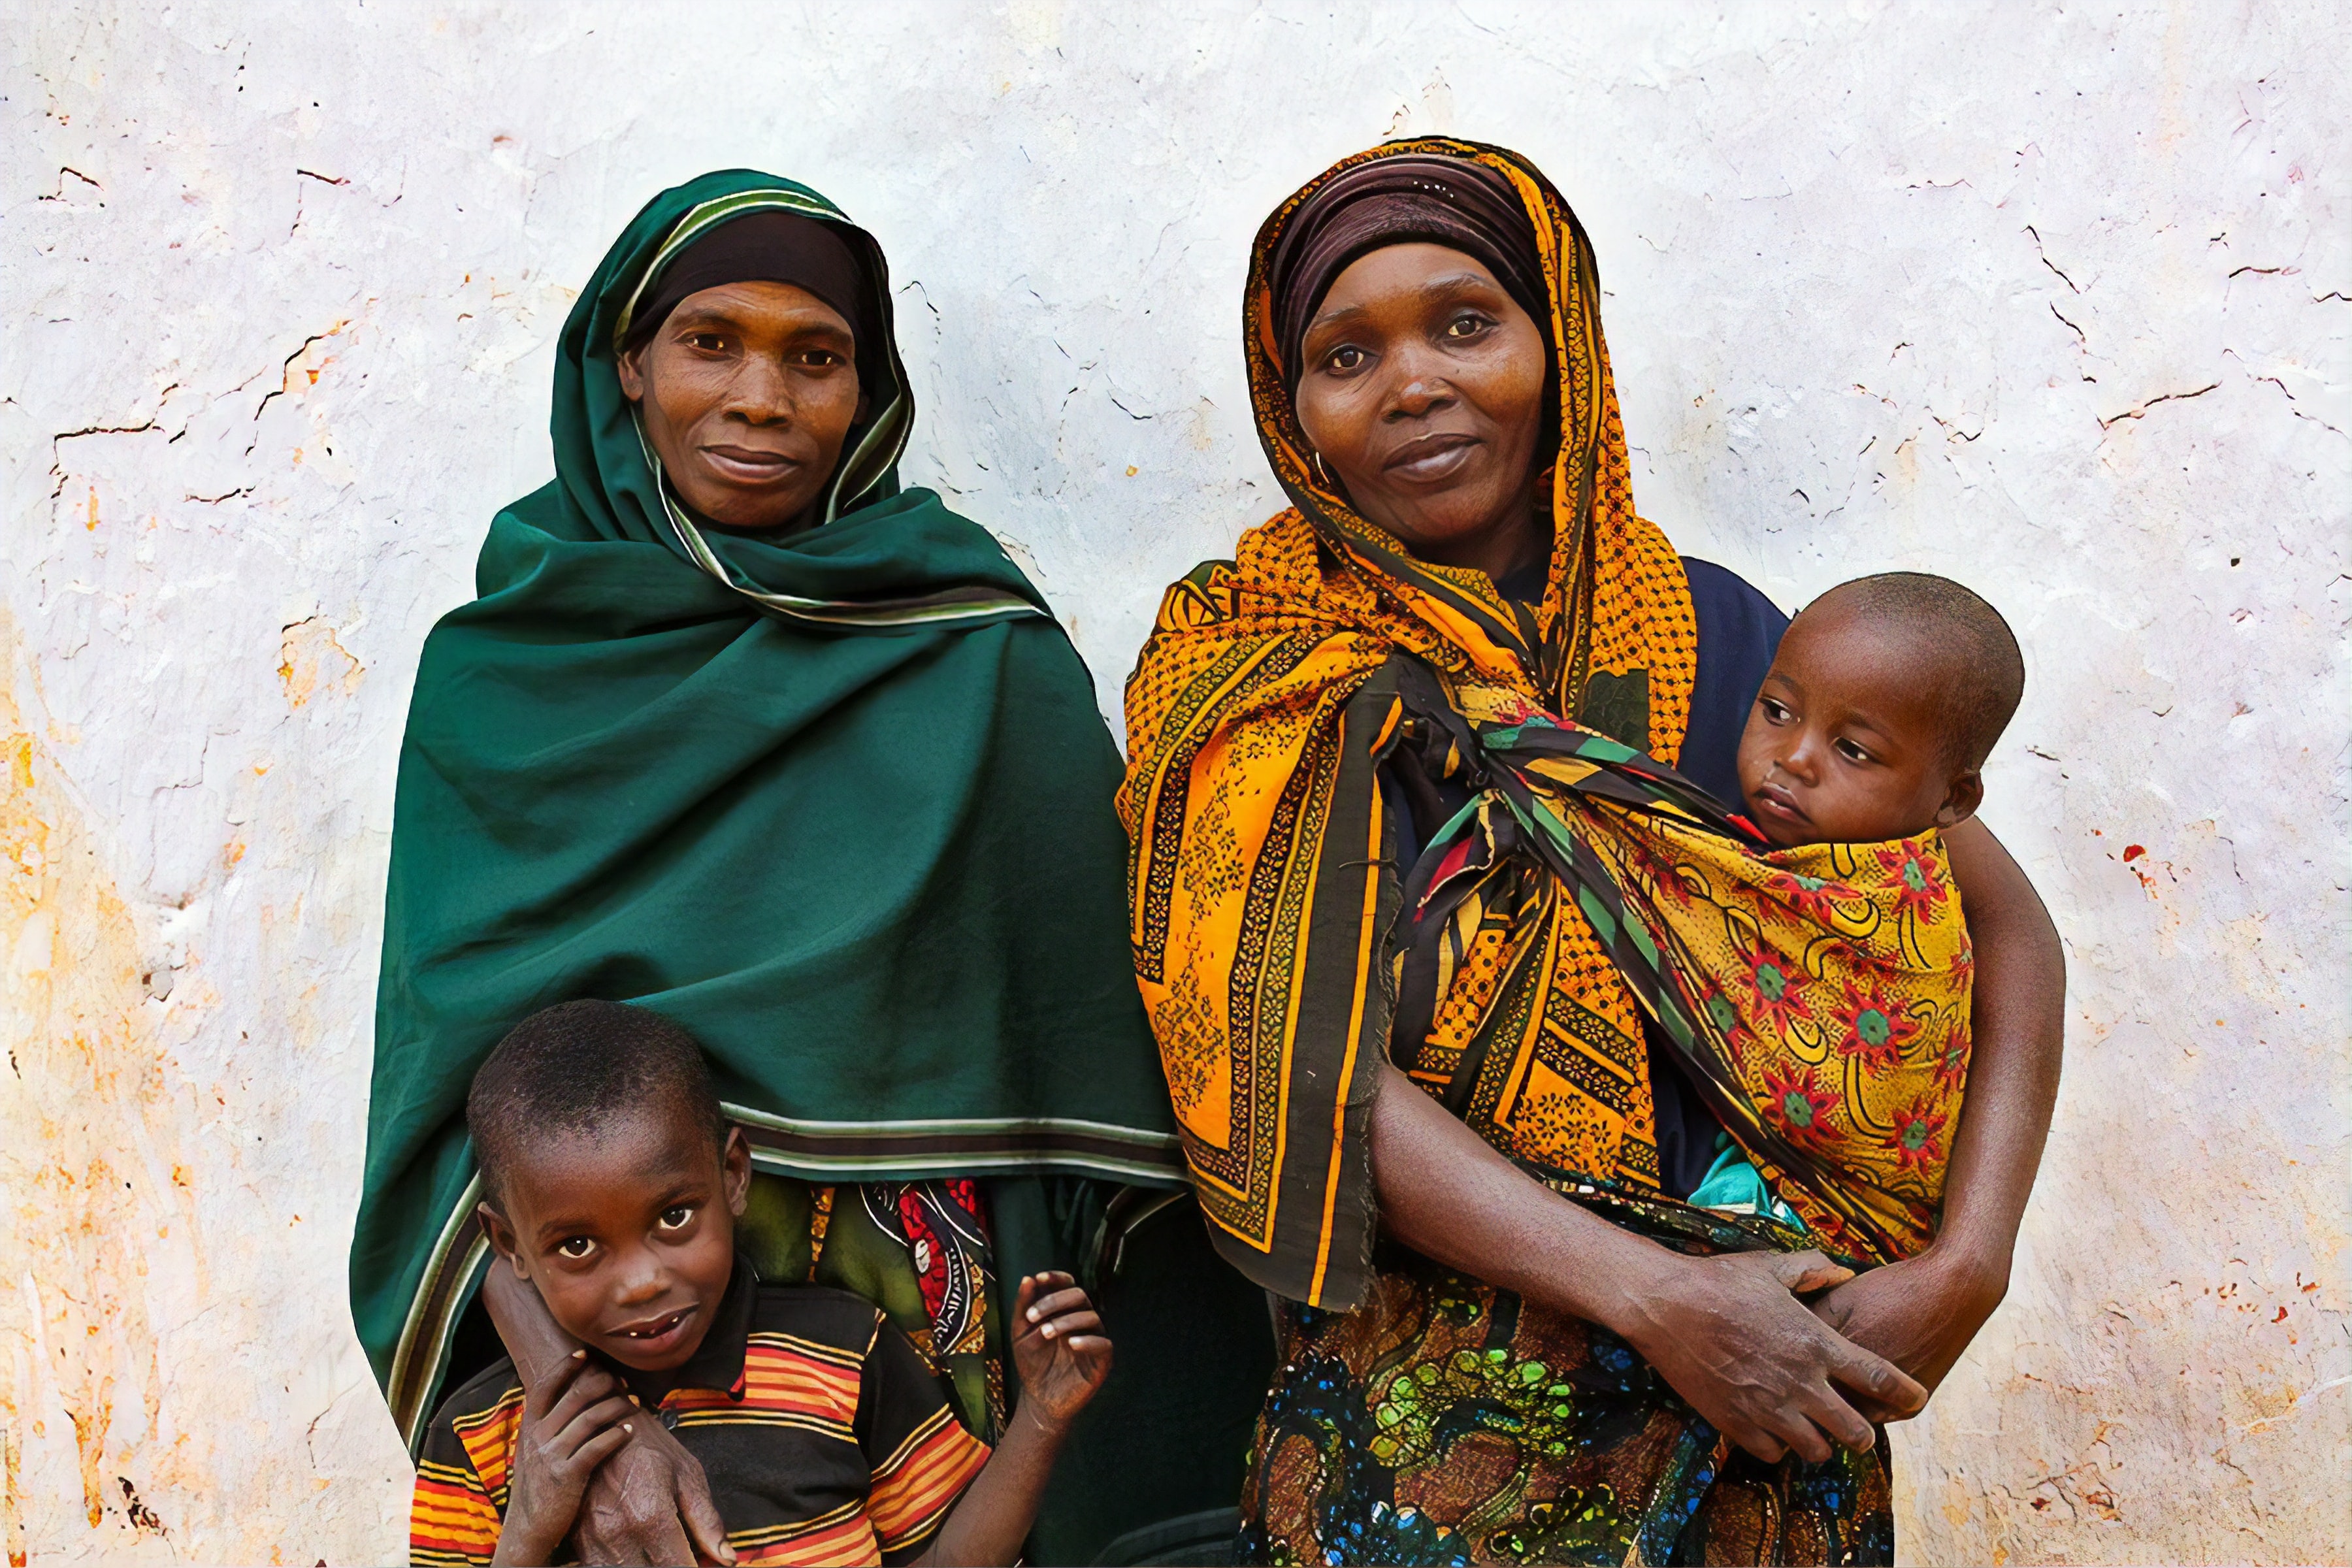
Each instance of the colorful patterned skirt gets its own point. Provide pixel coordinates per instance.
(1447, 1422)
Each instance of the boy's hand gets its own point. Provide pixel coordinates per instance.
(571, 1419)
(1058, 1348)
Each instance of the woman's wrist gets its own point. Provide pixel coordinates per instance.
(1615, 1281)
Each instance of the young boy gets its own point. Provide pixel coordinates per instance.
(612, 1184)
(1884, 701)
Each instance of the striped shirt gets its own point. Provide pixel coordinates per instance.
(824, 1435)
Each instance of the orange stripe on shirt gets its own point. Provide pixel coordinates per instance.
(450, 1523)
(913, 1490)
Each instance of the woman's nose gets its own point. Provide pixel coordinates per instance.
(760, 391)
(1421, 387)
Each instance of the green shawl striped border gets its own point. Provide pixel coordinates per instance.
(784, 1146)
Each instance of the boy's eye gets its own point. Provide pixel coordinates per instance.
(575, 1246)
(675, 1218)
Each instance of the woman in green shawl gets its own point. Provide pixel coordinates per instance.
(739, 730)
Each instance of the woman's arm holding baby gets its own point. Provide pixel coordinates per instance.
(1922, 1313)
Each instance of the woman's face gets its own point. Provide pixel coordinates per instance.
(747, 393)
(1423, 390)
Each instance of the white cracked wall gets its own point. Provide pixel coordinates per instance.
(2052, 298)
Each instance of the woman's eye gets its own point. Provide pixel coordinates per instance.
(575, 1248)
(1466, 326)
(1345, 358)
(676, 1219)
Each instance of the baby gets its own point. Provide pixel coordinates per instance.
(1884, 701)
(612, 1184)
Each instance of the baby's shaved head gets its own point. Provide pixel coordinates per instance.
(1960, 645)
(572, 1067)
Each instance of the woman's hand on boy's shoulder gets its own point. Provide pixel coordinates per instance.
(573, 1418)
(1058, 1347)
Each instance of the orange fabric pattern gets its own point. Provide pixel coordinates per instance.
(1258, 879)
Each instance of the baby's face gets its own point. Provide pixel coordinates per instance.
(1844, 744)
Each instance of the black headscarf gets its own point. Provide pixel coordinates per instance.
(773, 248)
(1393, 201)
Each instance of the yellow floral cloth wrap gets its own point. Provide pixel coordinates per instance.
(1273, 940)
(1817, 996)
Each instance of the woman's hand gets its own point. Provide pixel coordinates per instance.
(650, 1502)
(1919, 1314)
(572, 1418)
(1730, 1335)
(1727, 1333)
(1058, 1347)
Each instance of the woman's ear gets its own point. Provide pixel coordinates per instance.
(1960, 801)
(631, 364)
(502, 1236)
(736, 1162)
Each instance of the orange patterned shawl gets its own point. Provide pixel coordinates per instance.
(1264, 896)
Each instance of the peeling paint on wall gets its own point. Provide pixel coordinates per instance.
(2050, 300)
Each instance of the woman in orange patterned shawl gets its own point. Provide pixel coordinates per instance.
(1412, 895)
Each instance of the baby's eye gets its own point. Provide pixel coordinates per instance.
(675, 1218)
(1852, 753)
(575, 1246)
(1775, 711)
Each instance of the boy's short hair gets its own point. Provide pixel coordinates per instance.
(1975, 656)
(570, 1067)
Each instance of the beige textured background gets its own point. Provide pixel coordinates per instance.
(2052, 298)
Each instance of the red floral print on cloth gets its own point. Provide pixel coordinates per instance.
(1809, 898)
(1920, 886)
(1919, 1137)
(1874, 1027)
(1798, 1108)
(1774, 1000)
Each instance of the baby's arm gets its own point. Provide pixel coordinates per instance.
(1063, 1358)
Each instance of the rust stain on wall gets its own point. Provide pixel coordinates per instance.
(309, 655)
(83, 1120)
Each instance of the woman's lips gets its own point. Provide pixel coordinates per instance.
(1432, 458)
(654, 1336)
(747, 465)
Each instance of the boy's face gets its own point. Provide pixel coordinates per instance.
(1844, 744)
(628, 1231)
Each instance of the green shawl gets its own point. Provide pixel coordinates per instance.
(840, 804)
